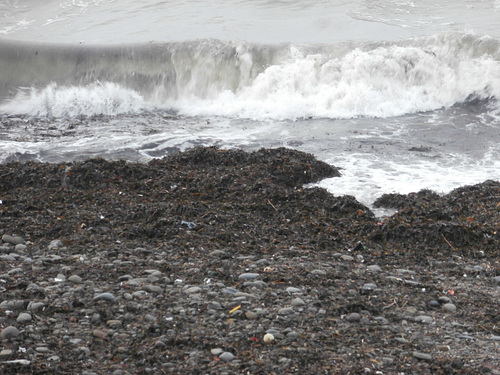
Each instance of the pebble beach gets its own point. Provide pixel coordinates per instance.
(218, 261)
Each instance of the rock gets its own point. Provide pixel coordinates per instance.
(54, 245)
(285, 311)
(293, 290)
(347, 258)
(10, 333)
(374, 268)
(248, 276)
(297, 302)
(75, 279)
(193, 290)
(443, 300)
(318, 272)
(268, 338)
(20, 247)
(423, 356)
(449, 307)
(23, 318)
(105, 297)
(6, 353)
(353, 317)
(226, 357)
(12, 305)
(424, 319)
(216, 351)
(250, 315)
(13, 240)
(35, 306)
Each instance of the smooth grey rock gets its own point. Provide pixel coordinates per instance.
(374, 268)
(55, 244)
(423, 356)
(23, 318)
(353, 317)
(285, 310)
(17, 304)
(318, 272)
(153, 289)
(424, 319)
(443, 299)
(192, 290)
(216, 351)
(298, 302)
(449, 307)
(369, 286)
(248, 276)
(226, 357)
(105, 297)
(35, 306)
(75, 279)
(292, 290)
(13, 240)
(20, 247)
(10, 332)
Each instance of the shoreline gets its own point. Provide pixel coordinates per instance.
(184, 264)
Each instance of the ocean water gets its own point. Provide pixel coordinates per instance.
(402, 95)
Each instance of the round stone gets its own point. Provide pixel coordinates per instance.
(268, 338)
(442, 300)
(13, 240)
(248, 276)
(374, 268)
(23, 318)
(10, 332)
(250, 315)
(297, 302)
(75, 279)
(353, 317)
(105, 297)
(424, 319)
(226, 357)
(449, 307)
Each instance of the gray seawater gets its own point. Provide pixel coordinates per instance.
(403, 95)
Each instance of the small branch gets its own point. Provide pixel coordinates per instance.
(448, 242)
(272, 205)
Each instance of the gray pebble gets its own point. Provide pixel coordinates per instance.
(318, 272)
(6, 353)
(226, 357)
(55, 244)
(374, 268)
(23, 318)
(298, 302)
(442, 300)
(10, 332)
(105, 297)
(496, 279)
(35, 306)
(17, 304)
(353, 317)
(192, 290)
(153, 289)
(347, 258)
(75, 279)
(285, 310)
(248, 276)
(424, 319)
(20, 247)
(250, 315)
(424, 356)
(369, 286)
(292, 290)
(216, 351)
(13, 240)
(434, 304)
(449, 307)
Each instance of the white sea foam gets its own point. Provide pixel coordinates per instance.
(71, 101)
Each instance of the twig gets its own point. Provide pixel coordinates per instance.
(448, 242)
(272, 205)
